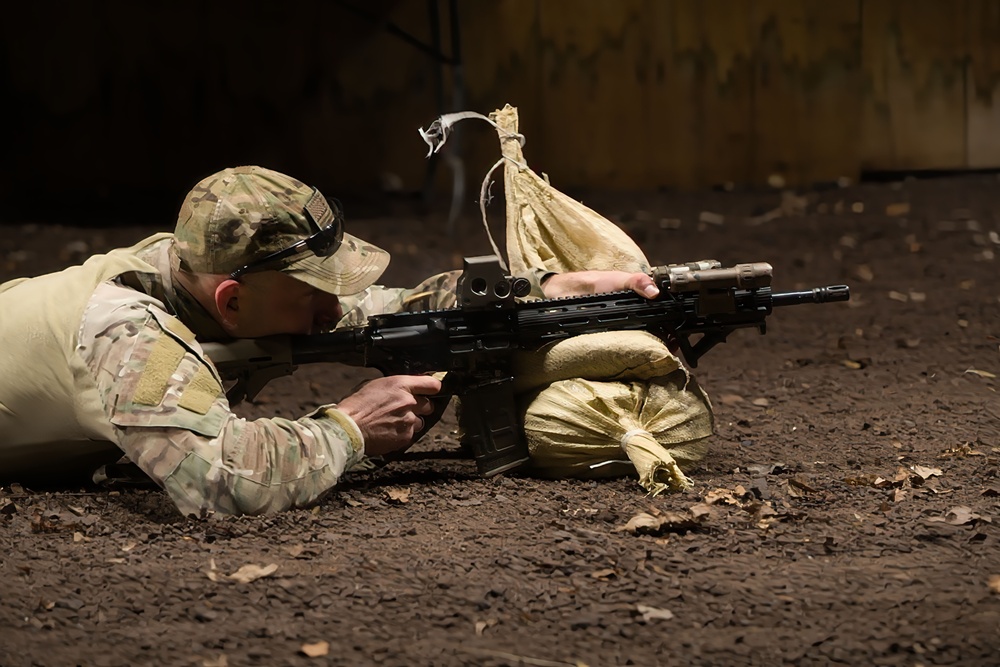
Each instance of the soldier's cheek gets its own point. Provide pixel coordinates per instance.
(291, 320)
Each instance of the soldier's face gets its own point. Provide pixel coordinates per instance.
(274, 303)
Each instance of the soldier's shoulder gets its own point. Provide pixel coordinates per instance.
(159, 374)
(113, 306)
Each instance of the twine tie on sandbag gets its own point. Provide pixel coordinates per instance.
(628, 436)
(435, 137)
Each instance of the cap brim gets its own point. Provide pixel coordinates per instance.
(356, 265)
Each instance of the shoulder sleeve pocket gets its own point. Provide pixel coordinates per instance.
(166, 382)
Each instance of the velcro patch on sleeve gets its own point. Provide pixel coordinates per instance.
(203, 390)
(178, 328)
(162, 362)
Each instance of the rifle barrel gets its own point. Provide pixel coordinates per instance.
(826, 294)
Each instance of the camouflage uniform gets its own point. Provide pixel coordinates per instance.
(433, 294)
(111, 353)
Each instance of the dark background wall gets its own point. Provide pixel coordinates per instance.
(119, 107)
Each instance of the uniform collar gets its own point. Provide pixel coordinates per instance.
(177, 300)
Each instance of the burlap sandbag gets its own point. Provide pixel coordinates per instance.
(603, 404)
(547, 229)
(588, 429)
(600, 404)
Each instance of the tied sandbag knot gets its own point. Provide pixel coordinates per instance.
(630, 434)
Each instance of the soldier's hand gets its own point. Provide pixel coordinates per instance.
(390, 410)
(580, 283)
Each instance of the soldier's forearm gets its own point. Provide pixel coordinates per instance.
(256, 467)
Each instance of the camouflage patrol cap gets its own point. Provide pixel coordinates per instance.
(240, 215)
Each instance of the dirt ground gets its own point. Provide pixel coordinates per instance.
(852, 484)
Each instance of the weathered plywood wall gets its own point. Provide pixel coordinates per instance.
(805, 96)
(677, 93)
(693, 93)
(680, 94)
(698, 126)
(982, 84)
(111, 101)
(914, 104)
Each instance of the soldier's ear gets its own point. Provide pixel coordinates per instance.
(227, 305)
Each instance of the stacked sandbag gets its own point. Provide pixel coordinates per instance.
(600, 404)
(607, 404)
(597, 405)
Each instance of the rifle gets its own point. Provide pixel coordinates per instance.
(475, 341)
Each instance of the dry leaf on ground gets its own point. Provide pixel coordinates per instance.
(926, 472)
(398, 495)
(604, 574)
(957, 516)
(244, 575)
(721, 496)
(317, 650)
(665, 522)
(654, 613)
(481, 626)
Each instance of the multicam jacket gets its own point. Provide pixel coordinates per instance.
(109, 352)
